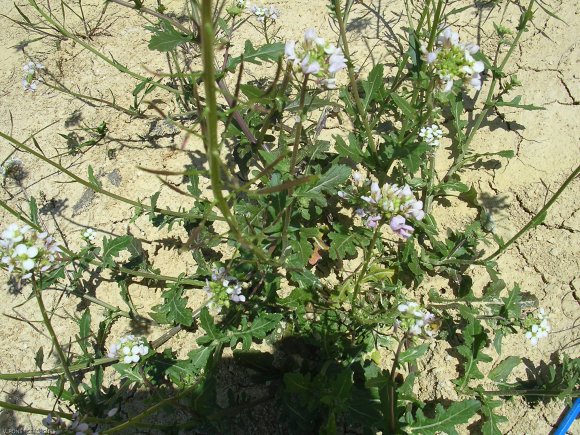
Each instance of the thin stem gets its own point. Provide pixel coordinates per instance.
(59, 351)
(529, 392)
(353, 83)
(211, 133)
(537, 219)
(154, 13)
(56, 371)
(93, 50)
(391, 388)
(111, 104)
(298, 131)
(72, 257)
(163, 403)
(297, 136)
(97, 189)
(489, 102)
(368, 255)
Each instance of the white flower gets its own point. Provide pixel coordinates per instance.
(129, 349)
(310, 36)
(289, 50)
(431, 134)
(309, 67)
(538, 327)
(89, 235)
(337, 61)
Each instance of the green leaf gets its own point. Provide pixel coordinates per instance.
(456, 106)
(452, 185)
(301, 251)
(413, 353)
(501, 372)
(206, 321)
(404, 105)
(166, 38)
(378, 274)
(342, 245)
(306, 279)
(93, 179)
(112, 248)
(175, 309)
(373, 86)
(516, 103)
(33, 210)
(198, 357)
(475, 340)
(351, 150)
(512, 308)
(258, 329)
(413, 155)
(268, 52)
(445, 420)
(128, 371)
(327, 183)
(85, 330)
(490, 426)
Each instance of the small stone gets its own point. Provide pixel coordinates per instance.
(555, 252)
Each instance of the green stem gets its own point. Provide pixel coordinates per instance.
(35, 376)
(368, 255)
(31, 410)
(118, 269)
(59, 351)
(298, 131)
(39, 411)
(353, 83)
(211, 120)
(97, 189)
(529, 392)
(391, 387)
(297, 136)
(111, 104)
(460, 160)
(50, 20)
(537, 219)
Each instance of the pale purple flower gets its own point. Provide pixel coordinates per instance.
(310, 68)
(337, 62)
(431, 57)
(399, 227)
(310, 36)
(289, 50)
(373, 221)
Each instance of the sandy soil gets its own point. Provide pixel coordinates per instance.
(545, 262)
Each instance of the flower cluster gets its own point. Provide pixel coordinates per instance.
(315, 57)
(416, 321)
(431, 135)
(89, 235)
(31, 80)
(25, 251)
(452, 60)
(129, 349)
(13, 169)
(56, 425)
(391, 202)
(222, 289)
(537, 326)
(262, 13)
